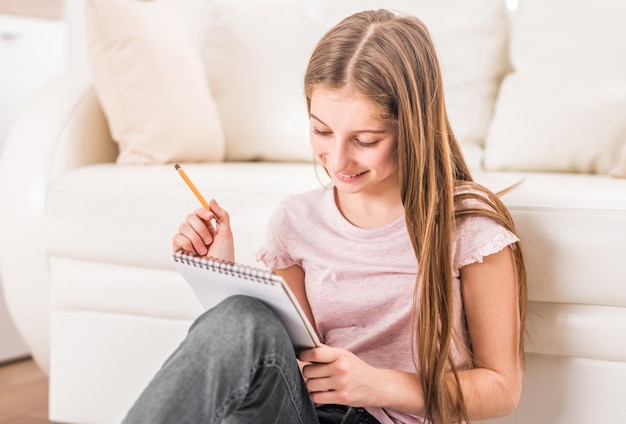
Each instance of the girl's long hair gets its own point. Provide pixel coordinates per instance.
(390, 59)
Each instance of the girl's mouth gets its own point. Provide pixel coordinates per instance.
(349, 177)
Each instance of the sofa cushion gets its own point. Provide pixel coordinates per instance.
(264, 84)
(151, 83)
(566, 219)
(126, 216)
(564, 106)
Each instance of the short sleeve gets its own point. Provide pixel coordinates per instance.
(274, 254)
(477, 237)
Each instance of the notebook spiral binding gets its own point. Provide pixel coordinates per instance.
(229, 268)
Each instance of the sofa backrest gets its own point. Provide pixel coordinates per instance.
(558, 104)
(255, 54)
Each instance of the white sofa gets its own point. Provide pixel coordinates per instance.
(85, 248)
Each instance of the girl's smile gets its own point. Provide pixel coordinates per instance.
(349, 178)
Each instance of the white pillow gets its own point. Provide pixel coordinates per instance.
(151, 83)
(564, 106)
(257, 51)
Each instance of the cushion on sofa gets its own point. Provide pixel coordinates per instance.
(144, 206)
(564, 106)
(265, 84)
(151, 83)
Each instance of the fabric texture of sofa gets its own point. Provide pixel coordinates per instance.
(216, 85)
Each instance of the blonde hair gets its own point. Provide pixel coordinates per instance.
(391, 60)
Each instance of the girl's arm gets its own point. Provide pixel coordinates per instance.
(490, 297)
(294, 277)
(491, 389)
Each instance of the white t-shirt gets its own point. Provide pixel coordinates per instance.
(360, 282)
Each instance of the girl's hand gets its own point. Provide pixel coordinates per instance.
(337, 376)
(206, 233)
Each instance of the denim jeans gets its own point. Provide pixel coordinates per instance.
(236, 365)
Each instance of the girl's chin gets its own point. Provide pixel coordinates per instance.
(347, 188)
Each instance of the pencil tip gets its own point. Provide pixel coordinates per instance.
(177, 166)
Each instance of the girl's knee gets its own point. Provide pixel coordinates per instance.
(245, 307)
(239, 314)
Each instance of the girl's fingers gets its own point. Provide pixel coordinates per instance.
(182, 244)
(197, 232)
(322, 354)
(189, 240)
(316, 371)
(204, 214)
(220, 214)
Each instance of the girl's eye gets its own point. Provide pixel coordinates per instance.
(320, 133)
(364, 144)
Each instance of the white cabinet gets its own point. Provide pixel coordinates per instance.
(32, 53)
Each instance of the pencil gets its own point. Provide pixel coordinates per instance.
(192, 186)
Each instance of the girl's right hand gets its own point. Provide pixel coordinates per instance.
(206, 233)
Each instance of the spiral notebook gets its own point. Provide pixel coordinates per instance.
(214, 280)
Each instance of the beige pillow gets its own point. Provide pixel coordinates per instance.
(151, 83)
(620, 169)
(564, 107)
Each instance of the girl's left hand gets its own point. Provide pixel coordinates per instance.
(337, 376)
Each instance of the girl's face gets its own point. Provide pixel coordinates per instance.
(356, 147)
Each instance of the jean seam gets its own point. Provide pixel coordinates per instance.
(236, 394)
(270, 361)
(276, 362)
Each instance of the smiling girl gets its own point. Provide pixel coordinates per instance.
(411, 273)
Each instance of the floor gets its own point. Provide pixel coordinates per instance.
(23, 393)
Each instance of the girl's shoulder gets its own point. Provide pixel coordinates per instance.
(482, 224)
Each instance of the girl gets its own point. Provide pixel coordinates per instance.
(411, 273)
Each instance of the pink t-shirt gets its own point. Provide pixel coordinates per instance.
(360, 282)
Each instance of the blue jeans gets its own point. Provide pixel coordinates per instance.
(236, 365)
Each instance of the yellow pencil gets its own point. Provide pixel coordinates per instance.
(192, 186)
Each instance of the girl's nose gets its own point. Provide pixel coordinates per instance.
(339, 155)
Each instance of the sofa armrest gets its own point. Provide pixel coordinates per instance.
(63, 127)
